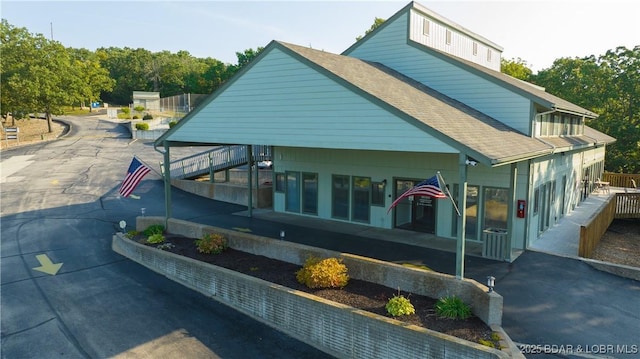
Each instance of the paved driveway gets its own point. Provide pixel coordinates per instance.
(60, 203)
(101, 305)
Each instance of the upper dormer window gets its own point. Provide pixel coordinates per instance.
(448, 37)
(425, 26)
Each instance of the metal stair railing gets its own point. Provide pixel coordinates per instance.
(217, 159)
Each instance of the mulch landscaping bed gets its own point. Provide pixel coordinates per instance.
(358, 294)
(620, 243)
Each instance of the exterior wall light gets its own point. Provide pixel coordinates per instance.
(491, 281)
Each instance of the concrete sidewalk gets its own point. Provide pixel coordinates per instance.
(563, 239)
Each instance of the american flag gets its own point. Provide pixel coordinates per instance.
(429, 188)
(134, 175)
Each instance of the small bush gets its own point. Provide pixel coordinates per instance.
(135, 117)
(138, 108)
(212, 243)
(325, 273)
(126, 110)
(131, 234)
(155, 238)
(399, 305)
(487, 343)
(153, 229)
(452, 307)
(142, 126)
(147, 117)
(172, 123)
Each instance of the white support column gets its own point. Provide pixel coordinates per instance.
(462, 222)
(249, 181)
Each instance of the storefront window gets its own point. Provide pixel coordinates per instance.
(495, 208)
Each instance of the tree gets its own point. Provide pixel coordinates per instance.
(38, 76)
(610, 86)
(90, 78)
(516, 68)
(376, 24)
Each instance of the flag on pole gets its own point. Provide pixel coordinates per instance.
(446, 189)
(429, 188)
(134, 175)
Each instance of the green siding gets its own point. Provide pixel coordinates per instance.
(281, 101)
(390, 47)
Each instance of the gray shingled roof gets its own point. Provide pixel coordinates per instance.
(451, 121)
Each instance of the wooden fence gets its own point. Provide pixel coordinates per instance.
(622, 180)
(622, 205)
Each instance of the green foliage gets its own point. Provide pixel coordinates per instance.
(487, 343)
(212, 243)
(131, 234)
(153, 229)
(135, 117)
(493, 342)
(147, 116)
(516, 68)
(155, 238)
(452, 307)
(376, 24)
(608, 85)
(126, 110)
(323, 273)
(138, 108)
(142, 126)
(42, 76)
(172, 123)
(400, 305)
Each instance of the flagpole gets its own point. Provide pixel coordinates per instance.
(149, 167)
(444, 187)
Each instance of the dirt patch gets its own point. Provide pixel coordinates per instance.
(620, 243)
(358, 294)
(31, 130)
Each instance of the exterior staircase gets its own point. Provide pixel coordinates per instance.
(215, 160)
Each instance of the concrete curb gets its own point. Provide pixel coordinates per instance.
(620, 270)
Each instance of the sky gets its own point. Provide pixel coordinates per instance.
(537, 32)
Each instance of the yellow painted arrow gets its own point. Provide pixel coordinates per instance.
(134, 196)
(46, 266)
(241, 229)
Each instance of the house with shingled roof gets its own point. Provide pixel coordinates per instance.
(349, 133)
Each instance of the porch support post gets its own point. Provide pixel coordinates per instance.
(167, 183)
(462, 221)
(249, 181)
(511, 210)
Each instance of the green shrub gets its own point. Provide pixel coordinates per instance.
(452, 307)
(487, 343)
(142, 126)
(131, 234)
(325, 273)
(126, 110)
(399, 305)
(172, 123)
(135, 117)
(153, 229)
(155, 238)
(147, 116)
(212, 243)
(138, 108)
